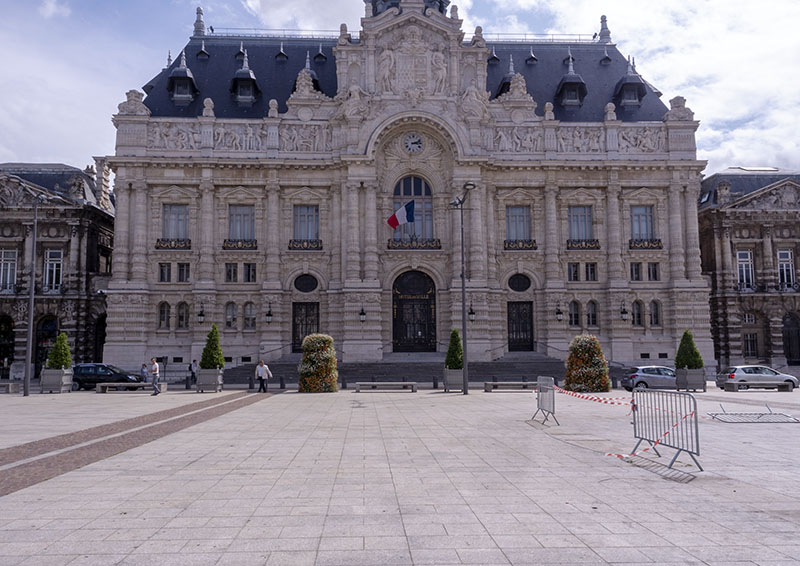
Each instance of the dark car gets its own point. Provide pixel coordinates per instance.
(657, 377)
(86, 376)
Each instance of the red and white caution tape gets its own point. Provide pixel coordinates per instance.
(656, 443)
(595, 398)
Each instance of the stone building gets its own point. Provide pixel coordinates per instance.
(750, 226)
(254, 182)
(74, 239)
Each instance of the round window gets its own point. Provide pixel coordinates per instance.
(519, 283)
(305, 283)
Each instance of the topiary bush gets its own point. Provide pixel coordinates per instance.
(455, 353)
(59, 357)
(587, 369)
(688, 356)
(212, 357)
(317, 370)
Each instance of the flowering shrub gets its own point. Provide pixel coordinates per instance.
(586, 365)
(318, 373)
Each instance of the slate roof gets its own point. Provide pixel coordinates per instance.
(276, 77)
(54, 177)
(743, 181)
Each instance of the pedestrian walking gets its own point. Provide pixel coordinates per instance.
(193, 369)
(262, 373)
(155, 376)
(144, 373)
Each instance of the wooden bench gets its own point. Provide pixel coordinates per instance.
(140, 386)
(779, 385)
(391, 384)
(489, 386)
(9, 386)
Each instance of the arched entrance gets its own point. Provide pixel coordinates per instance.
(6, 345)
(414, 313)
(99, 338)
(791, 339)
(46, 332)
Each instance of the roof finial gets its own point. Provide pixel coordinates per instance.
(203, 45)
(605, 33)
(241, 47)
(199, 25)
(245, 62)
(320, 48)
(308, 60)
(511, 64)
(633, 64)
(169, 58)
(571, 70)
(183, 59)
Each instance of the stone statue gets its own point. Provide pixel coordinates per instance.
(133, 106)
(208, 108)
(610, 112)
(273, 109)
(548, 111)
(386, 71)
(678, 110)
(439, 69)
(473, 102)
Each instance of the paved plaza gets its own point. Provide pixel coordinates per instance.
(387, 478)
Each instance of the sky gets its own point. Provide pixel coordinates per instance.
(67, 64)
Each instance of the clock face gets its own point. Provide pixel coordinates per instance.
(413, 143)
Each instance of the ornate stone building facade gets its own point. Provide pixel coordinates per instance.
(255, 179)
(73, 260)
(750, 227)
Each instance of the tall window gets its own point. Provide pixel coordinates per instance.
(591, 271)
(8, 268)
(249, 314)
(636, 271)
(518, 223)
(52, 269)
(744, 263)
(573, 272)
(750, 340)
(231, 272)
(580, 223)
(183, 273)
(241, 222)
(416, 189)
(591, 314)
(164, 272)
(642, 223)
(249, 272)
(230, 315)
(183, 316)
(636, 314)
(655, 313)
(574, 313)
(163, 316)
(306, 222)
(176, 221)
(785, 268)
(653, 272)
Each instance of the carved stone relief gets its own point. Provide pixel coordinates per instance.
(580, 139)
(167, 135)
(474, 101)
(518, 139)
(781, 199)
(416, 64)
(306, 138)
(642, 140)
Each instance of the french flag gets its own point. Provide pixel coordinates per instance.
(402, 215)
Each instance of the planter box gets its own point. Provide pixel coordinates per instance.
(209, 380)
(693, 379)
(453, 379)
(56, 380)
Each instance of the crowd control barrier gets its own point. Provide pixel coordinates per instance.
(546, 398)
(666, 418)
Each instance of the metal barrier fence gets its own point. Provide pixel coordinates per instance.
(666, 418)
(546, 398)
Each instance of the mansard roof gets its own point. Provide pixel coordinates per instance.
(742, 181)
(65, 181)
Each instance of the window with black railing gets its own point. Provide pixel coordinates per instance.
(306, 228)
(518, 229)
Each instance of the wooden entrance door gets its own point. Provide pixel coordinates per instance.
(520, 326)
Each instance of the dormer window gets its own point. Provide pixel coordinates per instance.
(630, 96)
(183, 89)
(572, 89)
(245, 93)
(570, 96)
(244, 86)
(181, 83)
(630, 89)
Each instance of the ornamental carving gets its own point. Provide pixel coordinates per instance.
(580, 140)
(166, 135)
(414, 65)
(642, 140)
(67, 310)
(518, 139)
(474, 101)
(133, 106)
(20, 311)
(307, 138)
(784, 198)
(678, 110)
(240, 137)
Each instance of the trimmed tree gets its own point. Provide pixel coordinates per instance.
(587, 369)
(317, 370)
(455, 353)
(212, 357)
(60, 357)
(688, 355)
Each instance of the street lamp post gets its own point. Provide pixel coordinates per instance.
(26, 386)
(458, 203)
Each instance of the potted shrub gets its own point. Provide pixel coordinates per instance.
(689, 372)
(318, 371)
(587, 370)
(454, 363)
(209, 376)
(56, 377)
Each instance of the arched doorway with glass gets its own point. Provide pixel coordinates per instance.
(791, 339)
(414, 313)
(6, 345)
(46, 332)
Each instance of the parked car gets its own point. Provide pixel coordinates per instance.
(644, 377)
(86, 376)
(743, 374)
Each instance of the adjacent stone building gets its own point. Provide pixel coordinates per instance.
(74, 239)
(750, 232)
(254, 181)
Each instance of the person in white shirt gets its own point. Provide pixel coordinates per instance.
(262, 374)
(154, 374)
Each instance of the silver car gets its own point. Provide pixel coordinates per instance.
(657, 377)
(754, 374)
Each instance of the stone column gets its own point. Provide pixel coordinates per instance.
(75, 271)
(141, 227)
(677, 258)
(475, 234)
(336, 237)
(370, 233)
(352, 230)
(768, 273)
(613, 233)
(273, 235)
(553, 277)
(119, 261)
(693, 268)
(205, 272)
(728, 276)
(491, 235)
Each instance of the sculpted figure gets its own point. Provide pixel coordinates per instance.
(288, 139)
(386, 70)
(208, 108)
(439, 68)
(474, 101)
(501, 139)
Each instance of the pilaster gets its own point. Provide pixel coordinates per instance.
(141, 225)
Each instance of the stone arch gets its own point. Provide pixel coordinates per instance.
(791, 338)
(432, 124)
(414, 312)
(432, 270)
(322, 279)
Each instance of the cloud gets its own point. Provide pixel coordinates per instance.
(306, 14)
(52, 8)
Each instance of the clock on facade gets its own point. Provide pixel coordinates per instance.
(413, 143)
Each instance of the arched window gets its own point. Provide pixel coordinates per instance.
(636, 314)
(163, 316)
(416, 189)
(574, 313)
(249, 315)
(591, 314)
(655, 313)
(230, 315)
(183, 316)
